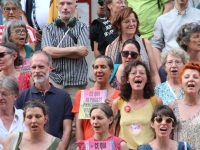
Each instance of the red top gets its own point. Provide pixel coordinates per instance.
(87, 128)
(24, 81)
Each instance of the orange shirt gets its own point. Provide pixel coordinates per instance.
(87, 128)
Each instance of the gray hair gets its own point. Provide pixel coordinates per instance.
(49, 58)
(15, 2)
(105, 108)
(108, 59)
(185, 32)
(9, 26)
(175, 52)
(9, 83)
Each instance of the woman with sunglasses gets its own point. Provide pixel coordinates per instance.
(172, 60)
(163, 122)
(101, 32)
(187, 110)
(135, 105)
(130, 53)
(9, 60)
(15, 31)
(126, 24)
(188, 38)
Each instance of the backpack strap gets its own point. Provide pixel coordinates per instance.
(154, 101)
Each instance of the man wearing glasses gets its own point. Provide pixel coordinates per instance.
(11, 10)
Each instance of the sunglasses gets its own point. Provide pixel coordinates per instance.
(167, 119)
(134, 55)
(2, 54)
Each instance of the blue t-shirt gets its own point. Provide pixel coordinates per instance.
(163, 91)
(181, 146)
(58, 102)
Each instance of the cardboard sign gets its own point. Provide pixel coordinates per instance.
(88, 99)
(100, 145)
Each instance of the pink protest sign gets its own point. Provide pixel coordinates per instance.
(99, 145)
(88, 99)
(93, 96)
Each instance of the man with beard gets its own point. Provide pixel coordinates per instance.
(58, 101)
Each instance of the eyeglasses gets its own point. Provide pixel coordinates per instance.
(19, 31)
(5, 95)
(177, 63)
(8, 9)
(130, 21)
(2, 54)
(121, 2)
(167, 119)
(125, 54)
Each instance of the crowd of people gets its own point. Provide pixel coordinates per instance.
(146, 62)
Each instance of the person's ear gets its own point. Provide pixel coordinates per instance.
(152, 125)
(111, 119)
(50, 67)
(184, 42)
(46, 119)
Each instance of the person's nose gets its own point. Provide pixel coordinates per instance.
(33, 119)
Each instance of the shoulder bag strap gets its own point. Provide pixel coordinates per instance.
(14, 139)
(154, 102)
(144, 45)
(185, 145)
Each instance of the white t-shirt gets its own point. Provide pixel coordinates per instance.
(41, 12)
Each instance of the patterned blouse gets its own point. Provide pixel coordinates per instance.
(163, 91)
(187, 130)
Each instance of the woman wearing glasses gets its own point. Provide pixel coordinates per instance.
(15, 31)
(101, 32)
(130, 53)
(12, 10)
(187, 110)
(135, 105)
(126, 24)
(172, 60)
(163, 122)
(12, 119)
(188, 38)
(9, 60)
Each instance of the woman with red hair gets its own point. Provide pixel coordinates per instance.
(187, 110)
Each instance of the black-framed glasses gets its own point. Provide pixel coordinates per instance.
(2, 54)
(125, 54)
(19, 31)
(8, 9)
(167, 119)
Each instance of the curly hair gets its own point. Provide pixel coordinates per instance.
(189, 65)
(120, 16)
(185, 32)
(126, 88)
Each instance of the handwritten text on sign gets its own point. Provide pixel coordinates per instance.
(99, 145)
(88, 99)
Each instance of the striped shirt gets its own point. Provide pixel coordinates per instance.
(67, 71)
